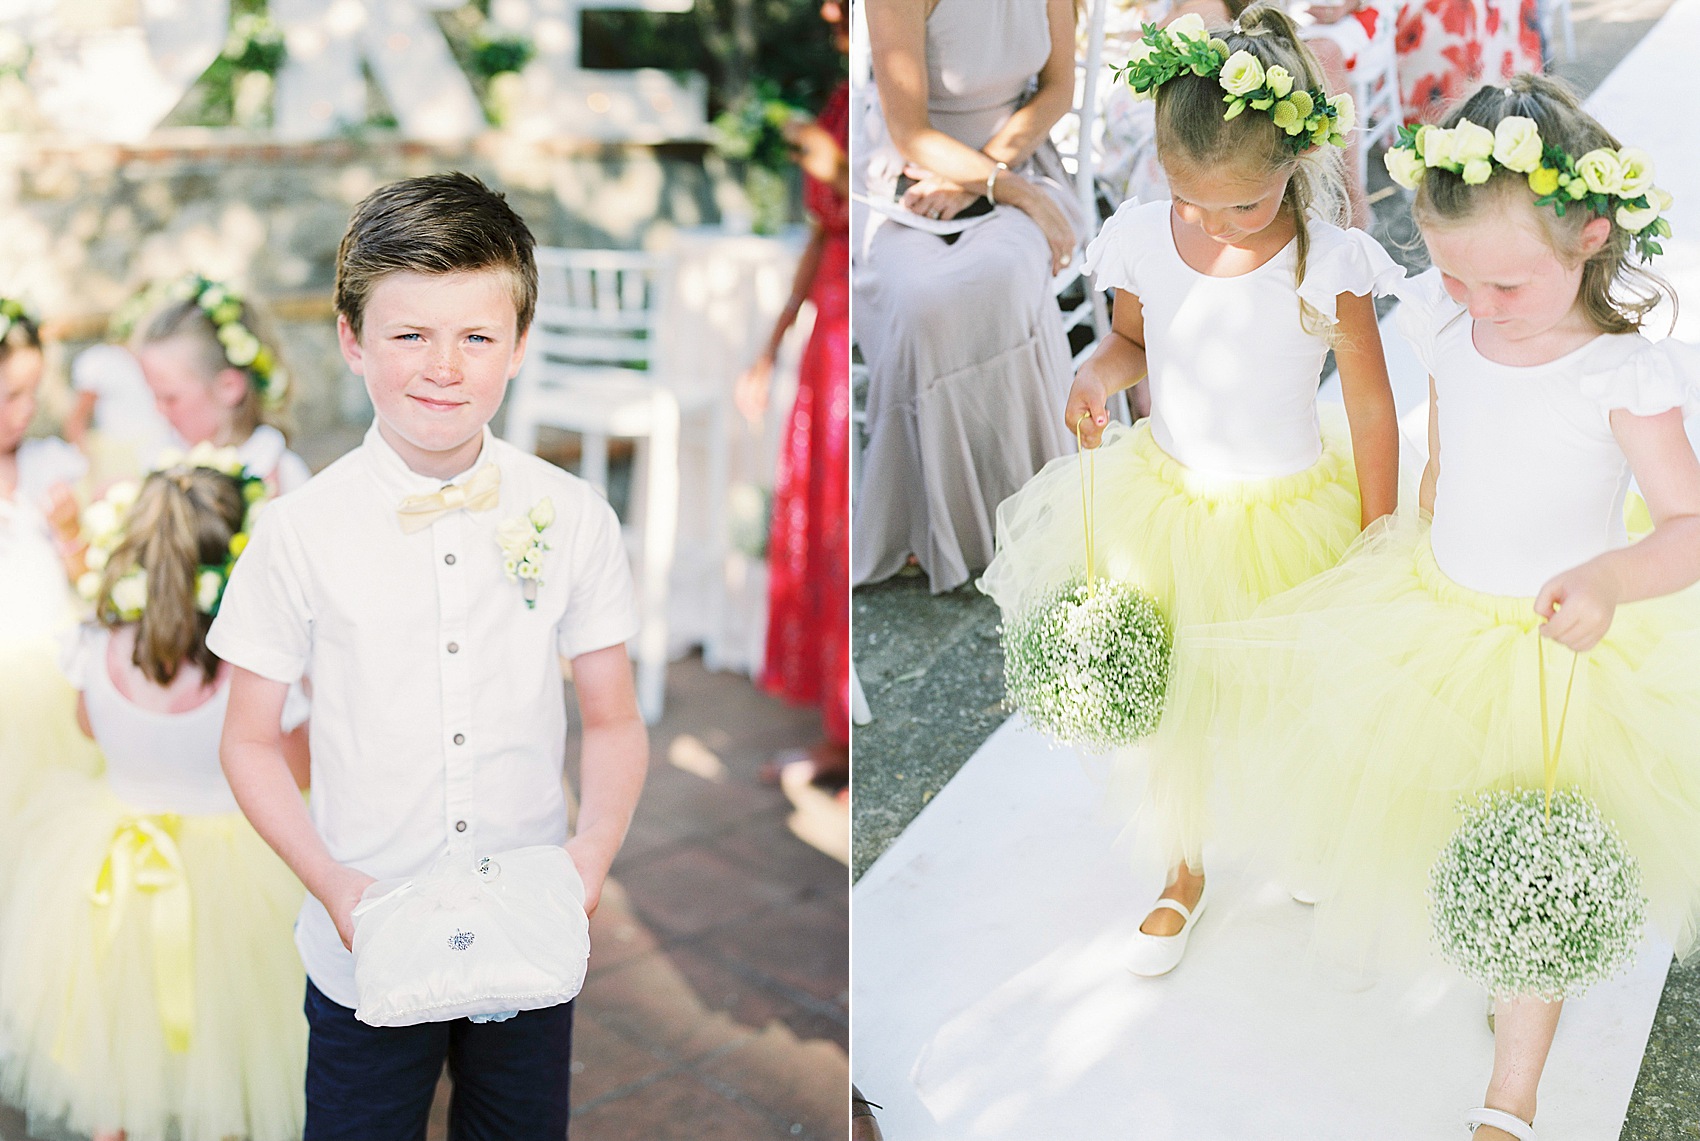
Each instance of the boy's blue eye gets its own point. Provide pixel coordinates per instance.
(479, 337)
(408, 336)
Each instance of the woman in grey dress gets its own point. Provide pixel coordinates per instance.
(968, 362)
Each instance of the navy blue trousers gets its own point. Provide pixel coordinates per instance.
(374, 1083)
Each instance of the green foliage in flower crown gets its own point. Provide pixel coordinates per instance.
(1089, 670)
(1525, 905)
(12, 312)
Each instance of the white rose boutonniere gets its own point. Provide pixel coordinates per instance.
(521, 541)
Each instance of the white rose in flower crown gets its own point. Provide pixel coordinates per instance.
(96, 557)
(1141, 52)
(1477, 171)
(1471, 142)
(1279, 81)
(1601, 171)
(1517, 144)
(242, 353)
(122, 494)
(214, 296)
(130, 593)
(543, 514)
(1242, 74)
(1636, 218)
(1636, 172)
(100, 519)
(14, 50)
(1189, 27)
(1405, 166)
(1438, 147)
(1345, 112)
(88, 585)
(206, 590)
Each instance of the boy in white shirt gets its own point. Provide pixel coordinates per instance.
(439, 720)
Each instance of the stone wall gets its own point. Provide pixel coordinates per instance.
(81, 227)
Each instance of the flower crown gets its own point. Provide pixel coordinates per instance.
(1308, 117)
(1616, 184)
(105, 526)
(223, 307)
(12, 313)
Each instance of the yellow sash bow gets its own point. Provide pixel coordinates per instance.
(480, 493)
(143, 858)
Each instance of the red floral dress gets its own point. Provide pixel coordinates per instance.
(1447, 48)
(808, 559)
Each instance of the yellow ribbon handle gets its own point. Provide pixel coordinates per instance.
(1088, 462)
(143, 860)
(1550, 747)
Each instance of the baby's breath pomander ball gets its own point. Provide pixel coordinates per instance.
(1525, 905)
(1089, 669)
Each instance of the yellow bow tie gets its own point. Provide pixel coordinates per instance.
(480, 493)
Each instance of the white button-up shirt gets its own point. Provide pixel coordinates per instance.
(439, 717)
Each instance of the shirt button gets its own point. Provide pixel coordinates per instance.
(460, 738)
(460, 826)
(450, 559)
(454, 647)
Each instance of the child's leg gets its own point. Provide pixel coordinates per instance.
(1523, 1033)
(369, 1083)
(1186, 884)
(511, 1078)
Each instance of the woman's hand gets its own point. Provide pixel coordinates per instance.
(934, 197)
(1330, 13)
(750, 394)
(1028, 197)
(1086, 413)
(1578, 606)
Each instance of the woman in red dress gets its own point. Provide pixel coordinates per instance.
(808, 631)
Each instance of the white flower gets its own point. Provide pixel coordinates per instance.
(1189, 27)
(207, 588)
(14, 50)
(213, 297)
(1141, 52)
(1345, 112)
(513, 536)
(1601, 171)
(1636, 172)
(242, 352)
(122, 495)
(1471, 142)
(1242, 74)
(1517, 144)
(1637, 218)
(528, 570)
(130, 594)
(1438, 146)
(100, 519)
(1405, 166)
(543, 514)
(1279, 81)
(88, 585)
(1477, 171)
(96, 557)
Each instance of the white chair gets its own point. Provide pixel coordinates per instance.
(1375, 87)
(1076, 137)
(1557, 12)
(588, 370)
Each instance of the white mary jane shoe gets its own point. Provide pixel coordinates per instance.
(1151, 955)
(1499, 1119)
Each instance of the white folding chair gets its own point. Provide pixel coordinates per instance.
(1375, 87)
(588, 370)
(1557, 12)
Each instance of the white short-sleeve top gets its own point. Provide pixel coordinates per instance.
(156, 762)
(439, 717)
(1532, 480)
(1233, 373)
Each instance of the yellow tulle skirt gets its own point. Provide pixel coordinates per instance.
(1357, 710)
(1207, 549)
(38, 721)
(173, 1006)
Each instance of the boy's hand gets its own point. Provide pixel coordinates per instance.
(1087, 397)
(1578, 606)
(593, 862)
(340, 897)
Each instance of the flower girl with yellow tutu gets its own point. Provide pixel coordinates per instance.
(1228, 299)
(148, 979)
(38, 523)
(1479, 730)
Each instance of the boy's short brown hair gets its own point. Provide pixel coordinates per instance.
(439, 223)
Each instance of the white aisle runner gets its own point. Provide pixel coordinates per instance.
(989, 1003)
